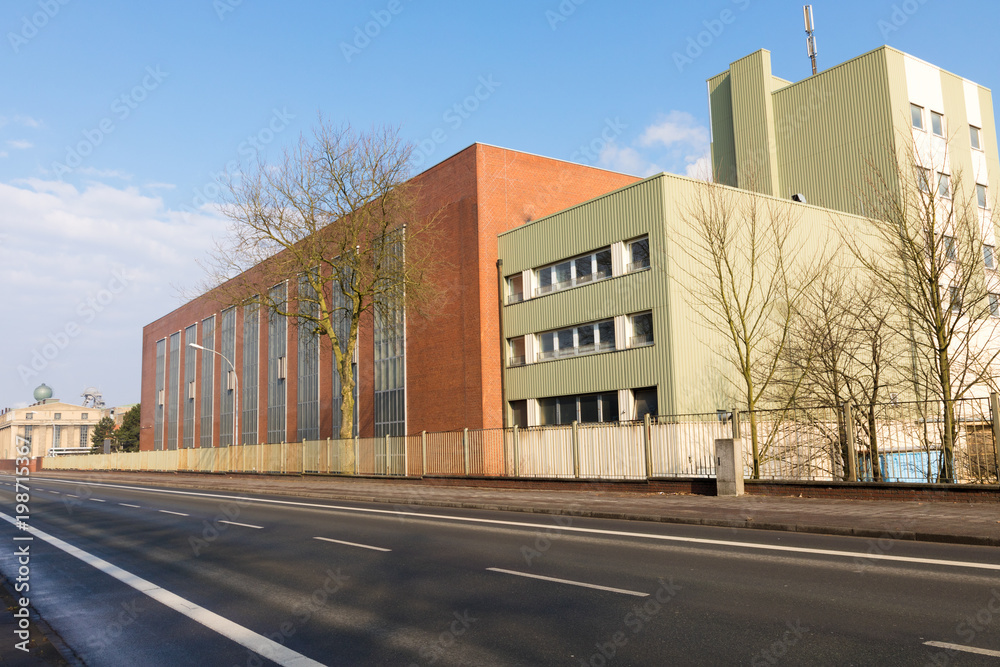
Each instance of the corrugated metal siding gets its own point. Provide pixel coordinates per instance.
(753, 122)
(832, 127)
(720, 108)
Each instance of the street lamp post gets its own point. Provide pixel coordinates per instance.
(236, 389)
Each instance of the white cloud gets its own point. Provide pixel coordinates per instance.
(675, 142)
(96, 260)
(19, 144)
(104, 173)
(23, 121)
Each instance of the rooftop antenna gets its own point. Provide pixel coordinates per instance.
(807, 11)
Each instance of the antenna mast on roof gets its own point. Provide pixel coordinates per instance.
(807, 11)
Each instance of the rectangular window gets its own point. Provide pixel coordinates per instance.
(174, 384)
(981, 195)
(954, 300)
(519, 413)
(994, 305)
(277, 348)
(208, 380)
(161, 353)
(581, 339)
(515, 288)
(548, 413)
(950, 249)
(590, 411)
(29, 415)
(638, 252)
(937, 123)
(569, 273)
(917, 116)
(307, 414)
(642, 329)
(250, 379)
(190, 368)
(83, 415)
(85, 436)
(924, 180)
(989, 259)
(227, 389)
(390, 360)
(516, 352)
(56, 436)
(57, 415)
(586, 408)
(975, 137)
(645, 402)
(944, 185)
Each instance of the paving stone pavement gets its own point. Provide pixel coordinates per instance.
(934, 521)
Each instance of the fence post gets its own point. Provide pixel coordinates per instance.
(385, 456)
(852, 459)
(423, 451)
(517, 457)
(357, 449)
(465, 446)
(646, 444)
(406, 456)
(736, 423)
(995, 414)
(576, 451)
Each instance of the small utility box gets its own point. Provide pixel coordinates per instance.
(729, 467)
(107, 445)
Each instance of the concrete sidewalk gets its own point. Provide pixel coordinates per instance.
(960, 523)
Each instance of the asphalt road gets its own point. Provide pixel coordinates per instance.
(134, 576)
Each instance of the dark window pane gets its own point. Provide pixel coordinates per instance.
(585, 335)
(563, 272)
(548, 341)
(565, 339)
(609, 407)
(567, 409)
(645, 402)
(547, 411)
(588, 408)
(606, 331)
(519, 413)
(545, 277)
(640, 254)
(583, 268)
(642, 325)
(604, 263)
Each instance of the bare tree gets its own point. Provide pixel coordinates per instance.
(338, 222)
(746, 287)
(924, 248)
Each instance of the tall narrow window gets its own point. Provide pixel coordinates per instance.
(516, 352)
(208, 380)
(989, 257)
(645, 402)
(975, 136)
(944, 185)
(228, 385)
(994, 304)
(519, 413)
(251, 369)
(85, 435)
(954, 300)
(161, 354)
(190, 368)
(642, 329)
(277, 348)
(174, 385)
(937, 123)
(950, 249)
(390, 358)
(638, 254)
(515, 288)
(917, 116)
(981, 195)
(342, 309)
(308, 360)
(924, 180)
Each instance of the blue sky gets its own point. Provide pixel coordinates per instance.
(116, 115)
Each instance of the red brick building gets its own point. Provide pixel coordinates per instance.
(452, 357)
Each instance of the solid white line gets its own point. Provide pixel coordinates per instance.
(245, 525)
(967, 649)
(567, 581)
(569, 529)
(127, 505)
(352, 544)
(169, 512)
(267, 648)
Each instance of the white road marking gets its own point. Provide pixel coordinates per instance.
(127, 505)
(72, 496)
(569, 529)
(98, 500)
(245, 525)
(169, 512)
(352, 544)
(259, 644)
(967, 649)
(567, 581)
